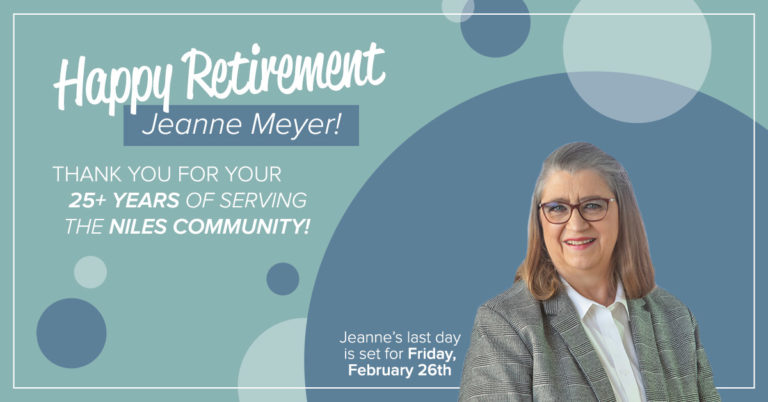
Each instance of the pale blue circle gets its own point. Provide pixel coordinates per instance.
(275, 359)
(71, 333)
(453, 7)
(282, 278)
(90, 272)
(637, 74)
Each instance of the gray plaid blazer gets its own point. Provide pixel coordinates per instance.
(525, 349)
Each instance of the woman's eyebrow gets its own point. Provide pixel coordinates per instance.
(591, 197)
(561, 200)
(582, 199)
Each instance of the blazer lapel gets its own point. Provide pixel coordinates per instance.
(644, 338)
(566, 322)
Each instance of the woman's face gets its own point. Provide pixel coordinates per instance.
(578, 246)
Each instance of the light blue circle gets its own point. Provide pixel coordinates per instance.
(283, 278)
(275, 359)
(453, 7)
(71, 333)
(90, 272)
(648, 67)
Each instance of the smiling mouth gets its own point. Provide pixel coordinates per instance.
(578, 242)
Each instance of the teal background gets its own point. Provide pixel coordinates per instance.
(182, 311)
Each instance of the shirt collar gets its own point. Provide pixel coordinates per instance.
(582, 304)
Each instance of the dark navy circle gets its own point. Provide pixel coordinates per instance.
(497, 35)
(71, 333)
(283, 278)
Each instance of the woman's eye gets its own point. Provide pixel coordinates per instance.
(593, 206)
(557, 208)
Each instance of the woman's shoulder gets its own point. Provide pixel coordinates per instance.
(515, 305)
(662, 303)
(516, 295)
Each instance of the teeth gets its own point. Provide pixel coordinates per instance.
(577, 243)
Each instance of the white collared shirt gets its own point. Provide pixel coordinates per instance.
(608, 330)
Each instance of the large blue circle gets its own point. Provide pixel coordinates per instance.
(71, 333)
(440, 227)
(282, 278)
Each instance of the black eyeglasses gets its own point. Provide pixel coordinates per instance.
(590, 210)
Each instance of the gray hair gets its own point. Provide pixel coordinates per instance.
(578, 156)
(631, 259)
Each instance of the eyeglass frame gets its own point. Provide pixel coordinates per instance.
(576, 206)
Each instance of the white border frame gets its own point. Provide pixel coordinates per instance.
(13, 177)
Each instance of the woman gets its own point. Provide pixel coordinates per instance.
(584, 320)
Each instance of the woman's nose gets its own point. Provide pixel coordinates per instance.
(577, 222)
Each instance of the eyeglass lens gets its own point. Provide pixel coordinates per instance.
(591, 210)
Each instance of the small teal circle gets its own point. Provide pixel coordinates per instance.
(282, 278)
(71, 333)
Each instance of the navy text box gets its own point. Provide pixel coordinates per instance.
(235, 125)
